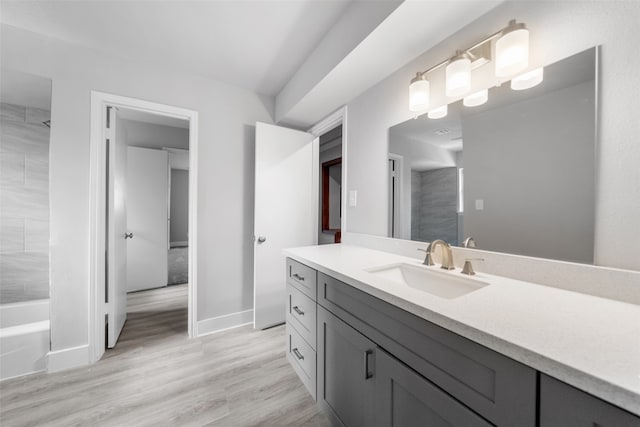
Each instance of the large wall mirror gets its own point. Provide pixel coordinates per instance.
(516, 173)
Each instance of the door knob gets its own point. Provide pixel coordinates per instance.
(128, 236)
(262, 239)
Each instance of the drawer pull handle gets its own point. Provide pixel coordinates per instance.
(367, 374)
(299, 277)
(297, 310)
(298, 354)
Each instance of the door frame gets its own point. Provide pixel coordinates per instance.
(338, 117)
(97, 188)
(396, 223)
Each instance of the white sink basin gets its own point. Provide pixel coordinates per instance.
(437, 282)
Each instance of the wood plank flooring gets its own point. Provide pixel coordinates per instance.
(157, 376)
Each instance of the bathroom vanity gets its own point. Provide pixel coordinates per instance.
(373, 347)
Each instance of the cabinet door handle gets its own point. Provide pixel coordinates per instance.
(367, 374)
(297, 310)
(299, 277)
(298, 354)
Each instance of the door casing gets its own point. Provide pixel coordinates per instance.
(96, 305)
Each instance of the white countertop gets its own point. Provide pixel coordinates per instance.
(589, 342)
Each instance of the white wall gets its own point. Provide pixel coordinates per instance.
(558, 30)
(226, 131)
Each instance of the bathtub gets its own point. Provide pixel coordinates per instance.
(24, 338)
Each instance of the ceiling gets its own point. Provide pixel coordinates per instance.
(325, 52)
(257, 45)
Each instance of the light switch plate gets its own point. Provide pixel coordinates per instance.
(353, 198)
(479, 204)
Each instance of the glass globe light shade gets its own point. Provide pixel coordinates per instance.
(512, 50)
(419, 94)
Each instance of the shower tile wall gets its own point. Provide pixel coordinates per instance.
(434, 203)
(24, 204)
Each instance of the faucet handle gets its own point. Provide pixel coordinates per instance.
(468, 267)
(428, 259)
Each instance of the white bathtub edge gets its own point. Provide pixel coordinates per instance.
(27, 328)
(68, 358)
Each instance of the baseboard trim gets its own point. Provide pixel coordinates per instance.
(68, 358)
(223, 323)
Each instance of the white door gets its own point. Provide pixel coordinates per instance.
(147, 215)
(286, 214)
(116, 280)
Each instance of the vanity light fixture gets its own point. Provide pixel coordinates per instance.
(476, 98)
(528, 80)
(419, 93)
(438, 113)
(458, 75)
(510, 53)
(512, 50)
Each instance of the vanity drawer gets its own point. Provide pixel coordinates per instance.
(302, 277)
(562, 405)
(303, 359)
(301, 314)
(498, 388)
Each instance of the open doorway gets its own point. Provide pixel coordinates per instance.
(157, 220)
(330, 212)
(136, 148)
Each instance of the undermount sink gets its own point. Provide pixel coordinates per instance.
(443, 284)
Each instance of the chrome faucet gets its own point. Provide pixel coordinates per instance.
(447, 257)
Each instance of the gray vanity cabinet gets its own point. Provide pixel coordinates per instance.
(564, 406)
(346, 366)
(404, 399)
(498, 388)
(301, 322)
(375, 364)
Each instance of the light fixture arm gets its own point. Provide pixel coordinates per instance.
(512, 24)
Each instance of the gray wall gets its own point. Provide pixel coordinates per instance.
(549, 213)
(434, 197)
(579, 25)
(24, 204)
(227, 117)
(179, 224)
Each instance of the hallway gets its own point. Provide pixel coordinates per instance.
(157, 376)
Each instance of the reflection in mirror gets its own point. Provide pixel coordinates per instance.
(516, 173)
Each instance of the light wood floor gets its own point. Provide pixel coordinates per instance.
(157, 376)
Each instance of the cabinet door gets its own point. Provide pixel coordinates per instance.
(564, 406)
(404, 398)
(346, 368)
